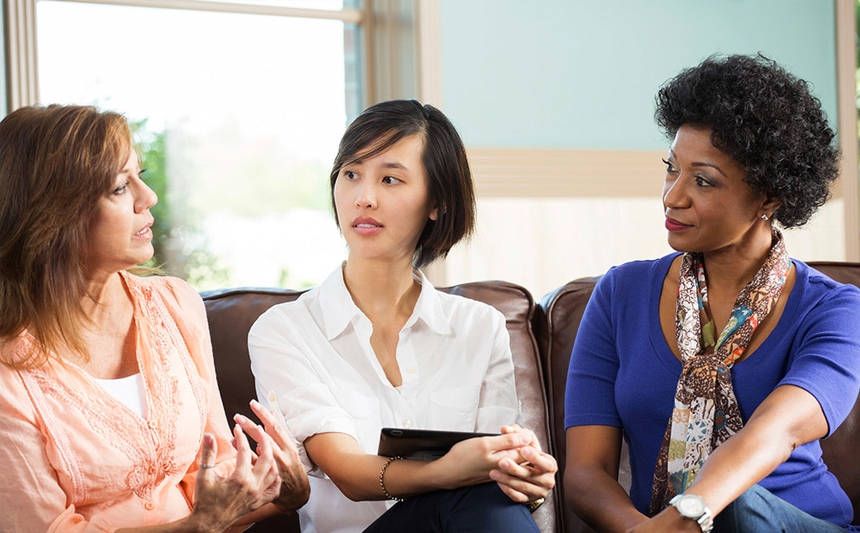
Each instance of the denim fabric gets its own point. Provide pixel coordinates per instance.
(757, 510)
(479, 509)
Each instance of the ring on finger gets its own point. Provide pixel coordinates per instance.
(207, 466)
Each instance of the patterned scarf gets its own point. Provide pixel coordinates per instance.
(706, 411)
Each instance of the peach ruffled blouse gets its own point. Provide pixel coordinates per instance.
(75, 459)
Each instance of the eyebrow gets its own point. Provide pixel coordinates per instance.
(701, 164)
(394, 165)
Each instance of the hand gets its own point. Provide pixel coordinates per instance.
(469, 462)
(532, 476)
(294, 488)
(667, 520)
(220, 501)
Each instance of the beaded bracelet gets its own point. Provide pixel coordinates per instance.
(382, 479)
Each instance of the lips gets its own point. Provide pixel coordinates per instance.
(146, 232)
(674, 225)
(365, 222)
(366, 226)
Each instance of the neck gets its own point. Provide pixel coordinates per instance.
(105, 294)
(733, 268)
(381, 288)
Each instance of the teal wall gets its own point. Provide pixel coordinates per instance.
(583, 73)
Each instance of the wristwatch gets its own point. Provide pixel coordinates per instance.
(693, 507)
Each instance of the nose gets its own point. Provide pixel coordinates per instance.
(674, 194)
(146, 198)
(366, 194)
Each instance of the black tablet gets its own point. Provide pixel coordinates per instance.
(421, 444)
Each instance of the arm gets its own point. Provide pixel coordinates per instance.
(788, 418)
(356, 473)
(591, 479)
(811, 400)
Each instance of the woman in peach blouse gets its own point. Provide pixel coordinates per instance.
(110, 416)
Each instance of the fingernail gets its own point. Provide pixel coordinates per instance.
(527, 452)
(525, 439)
(495, 474)
(239, 418)
(255, 403)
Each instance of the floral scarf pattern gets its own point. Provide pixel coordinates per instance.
(706, 411)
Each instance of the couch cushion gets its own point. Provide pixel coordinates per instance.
(557, 320)
(232, 312)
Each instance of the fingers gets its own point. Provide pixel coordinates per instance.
(264, 458)
(526, 482)
(273, 427)
(516, 428)
(208, 452)
(542, 462)
(514, 495)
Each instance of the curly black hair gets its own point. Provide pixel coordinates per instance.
(766, 119)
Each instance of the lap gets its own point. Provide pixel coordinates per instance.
(476, 509)
(759, 510)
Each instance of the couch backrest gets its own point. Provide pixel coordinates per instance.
(557, 319)
(232, 312)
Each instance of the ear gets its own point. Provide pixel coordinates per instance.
(770, 206)
(434, 214)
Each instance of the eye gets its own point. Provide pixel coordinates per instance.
(669, 167)
(350, 175)
(389, 180)
(121, 189)
(140, 174)
(702, 181)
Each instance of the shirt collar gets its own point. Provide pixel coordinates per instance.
(339, 310)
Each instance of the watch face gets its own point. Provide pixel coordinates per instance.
(691, 506)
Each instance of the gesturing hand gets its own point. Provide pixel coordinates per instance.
(530, 477)
(295, 488)
(219, 501)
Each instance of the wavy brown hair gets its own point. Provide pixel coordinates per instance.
(55, 164)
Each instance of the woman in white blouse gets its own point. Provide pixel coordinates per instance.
(376, 345)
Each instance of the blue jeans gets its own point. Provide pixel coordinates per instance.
(758, 510)
(478, 509)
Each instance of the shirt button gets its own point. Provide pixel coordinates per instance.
(149, 506)
(272, 397)
(152, 424)
(407, 424)
(411, 370)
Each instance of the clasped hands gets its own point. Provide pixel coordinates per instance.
(273, 473)
(514, 460)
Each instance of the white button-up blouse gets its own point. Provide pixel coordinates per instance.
(314, 365)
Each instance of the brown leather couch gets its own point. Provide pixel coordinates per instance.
(542, 335)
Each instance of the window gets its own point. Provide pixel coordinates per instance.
(239, 112)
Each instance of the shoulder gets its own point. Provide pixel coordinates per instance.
(176, 293)
(463, 310)
(629, 278)
(818, 289)
(288, 314)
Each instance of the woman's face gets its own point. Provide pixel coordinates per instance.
(708, 205)
(120, 234)
(383, 202)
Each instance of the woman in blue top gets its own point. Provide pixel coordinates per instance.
(722, 365)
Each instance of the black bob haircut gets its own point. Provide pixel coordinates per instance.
(766, 119)
(380, 127)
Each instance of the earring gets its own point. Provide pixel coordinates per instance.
(764, 217)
